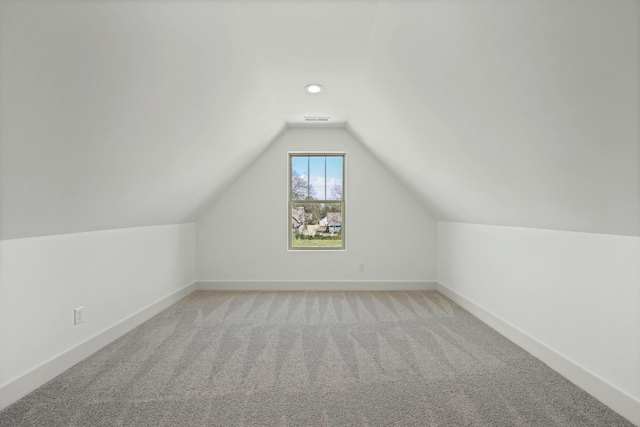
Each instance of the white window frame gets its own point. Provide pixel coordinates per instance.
(292, 201)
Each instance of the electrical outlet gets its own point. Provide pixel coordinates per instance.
(362, 266)
(78, 315)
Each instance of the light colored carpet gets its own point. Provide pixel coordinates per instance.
(311, 359)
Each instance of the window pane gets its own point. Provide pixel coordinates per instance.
(316, 225)
(299, 177)
(316, 201)
(317, 177)
(334, 178)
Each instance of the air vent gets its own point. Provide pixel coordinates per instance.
(316, 119)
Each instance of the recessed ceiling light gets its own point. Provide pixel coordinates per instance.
(313, 88)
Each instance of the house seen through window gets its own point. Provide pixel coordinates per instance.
(316, 201)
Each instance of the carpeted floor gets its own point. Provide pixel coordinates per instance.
(311, 359)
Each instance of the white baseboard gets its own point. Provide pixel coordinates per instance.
(614, 398)
(349, 285)
(25, 384)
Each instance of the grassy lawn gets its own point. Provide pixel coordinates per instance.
(313, 243)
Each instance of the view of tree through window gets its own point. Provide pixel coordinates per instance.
(316, 201)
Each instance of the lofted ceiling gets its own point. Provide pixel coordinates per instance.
(123, 113)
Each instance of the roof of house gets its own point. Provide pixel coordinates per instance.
(334, 218)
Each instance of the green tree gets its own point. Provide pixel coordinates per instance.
(317, 211)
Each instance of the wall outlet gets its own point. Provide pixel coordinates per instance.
(78, 315)
(362, 266)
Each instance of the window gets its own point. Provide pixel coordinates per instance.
(316, 201)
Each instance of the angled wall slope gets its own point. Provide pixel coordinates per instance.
(524, 113)
(124, 114)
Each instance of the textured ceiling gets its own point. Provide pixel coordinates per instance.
(132, 113)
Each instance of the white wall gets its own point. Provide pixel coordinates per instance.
(576, 293)
(243, 236)
(114, 274)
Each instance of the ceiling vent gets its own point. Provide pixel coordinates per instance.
(316, 119)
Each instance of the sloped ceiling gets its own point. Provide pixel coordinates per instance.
(519, 113)
(126, 113)
(129, 113)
